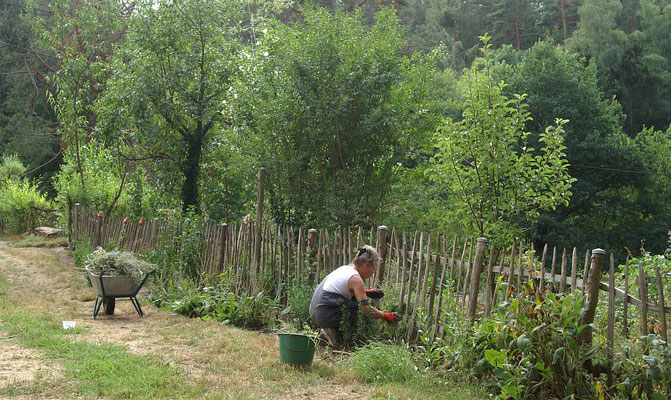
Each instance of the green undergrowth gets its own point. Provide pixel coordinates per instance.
(91, 370)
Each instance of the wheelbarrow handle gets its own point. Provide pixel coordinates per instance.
(143, 281)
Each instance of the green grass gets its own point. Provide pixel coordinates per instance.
(93, 370)
(40, 241)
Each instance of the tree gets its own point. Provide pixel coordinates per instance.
(487, 164)
(330, 108)
(612, 205)
(82, 35)
(171, 82)
(598, 36)
(27, 126)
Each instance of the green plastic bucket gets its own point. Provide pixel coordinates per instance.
(296, 349)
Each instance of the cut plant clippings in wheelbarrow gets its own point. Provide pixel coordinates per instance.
(109, 288)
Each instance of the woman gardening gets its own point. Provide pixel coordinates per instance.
(345, 286)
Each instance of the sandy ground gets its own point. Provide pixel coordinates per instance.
(196, 347)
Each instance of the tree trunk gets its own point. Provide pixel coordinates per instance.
(191, 172)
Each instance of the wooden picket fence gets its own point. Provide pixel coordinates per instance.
(417, 268)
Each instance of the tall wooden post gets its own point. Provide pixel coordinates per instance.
(643, 293)
(382, 251)
(312, 253)
(98, 230)
(222, 252)
(491, 283)
(77, 222)
(475, 278)
(610, 329)
(662, 313)
(592, 287)
(259, 219)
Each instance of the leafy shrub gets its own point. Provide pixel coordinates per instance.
(378, 362)
(102, 178)
(11, 168)
(531, 345)
(356, 328)
(299, 298)
(115, 263)
(18, 201)
(217, 303)
(640, 371)
(83, 248)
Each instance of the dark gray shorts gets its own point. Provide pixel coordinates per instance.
(326, 307)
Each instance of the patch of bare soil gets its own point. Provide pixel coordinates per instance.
(19, 364)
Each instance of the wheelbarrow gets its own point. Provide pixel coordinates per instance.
(109, 288)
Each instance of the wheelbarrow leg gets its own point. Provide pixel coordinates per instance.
(96, 307)
(136, 304)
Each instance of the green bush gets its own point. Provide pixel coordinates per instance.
(217, 303)
(83, 248)
(378, 362)
(299, 298)
(530, 346)
(19, 202)
(643, 371)
(357, 329)
(11, 168)
(102, 177)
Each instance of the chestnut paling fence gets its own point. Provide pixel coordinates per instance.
(420, 266)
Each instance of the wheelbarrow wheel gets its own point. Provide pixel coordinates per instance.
(109, 306)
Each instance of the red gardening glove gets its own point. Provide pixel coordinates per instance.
(391, 317)
(375, 293)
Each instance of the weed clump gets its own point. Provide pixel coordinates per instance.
(378, 362)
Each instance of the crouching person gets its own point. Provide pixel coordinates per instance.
(345, 286)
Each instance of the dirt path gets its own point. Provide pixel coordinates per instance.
(223, 356)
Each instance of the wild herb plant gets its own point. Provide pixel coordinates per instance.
(641, 369)
(357, 329)
(378, 362)
(299, 298)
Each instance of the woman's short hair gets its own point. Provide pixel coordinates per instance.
(366, 254)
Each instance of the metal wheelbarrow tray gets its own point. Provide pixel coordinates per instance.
(109, 288)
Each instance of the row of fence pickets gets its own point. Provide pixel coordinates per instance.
(418, 265)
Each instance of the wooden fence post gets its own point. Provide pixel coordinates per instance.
(662, 313)
(76, 222)
(592, 294)
(490, 286)
(475, 278)
(259, 218)
(610, 329)
(625, 302)
(574, 269)
(541, 283)
(643, 292)
(382, 252)
(97, 241)
(222, 253)
(312, 253)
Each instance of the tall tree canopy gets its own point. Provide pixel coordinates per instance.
(170, 84)
(331, 107)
